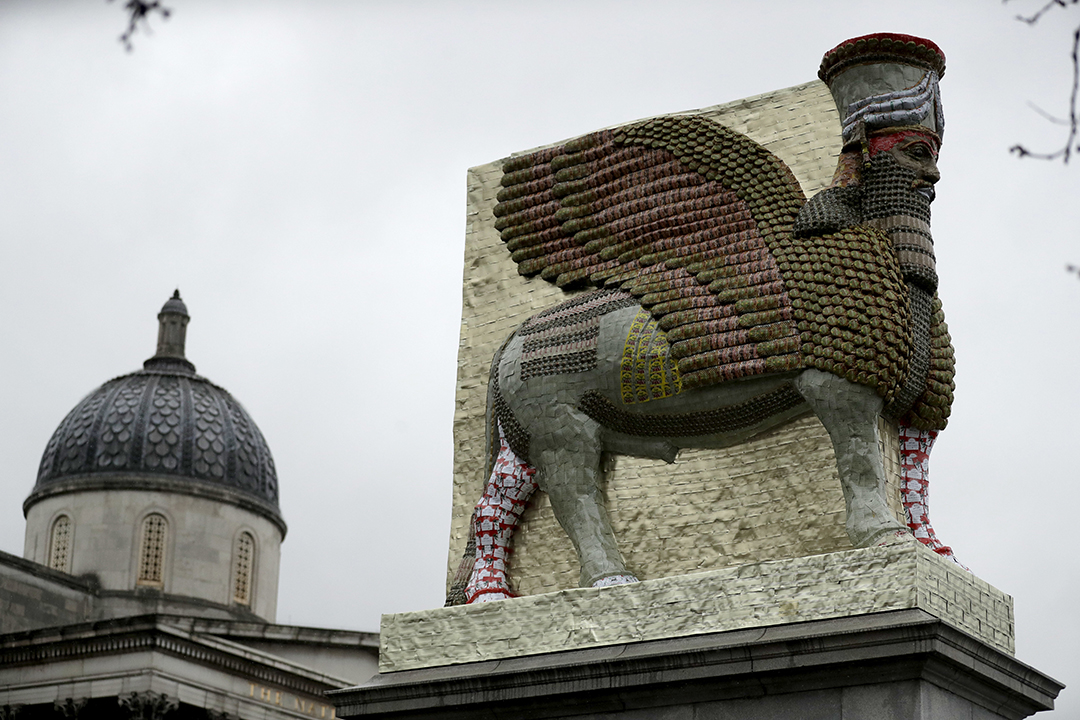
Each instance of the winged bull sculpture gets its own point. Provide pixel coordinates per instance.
(724, 305)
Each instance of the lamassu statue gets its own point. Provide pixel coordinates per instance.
(725, 305)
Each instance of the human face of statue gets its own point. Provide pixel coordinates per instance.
(898, 188)
(914, 150)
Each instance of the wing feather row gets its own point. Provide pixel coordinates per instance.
(631, 209)
(695, 220)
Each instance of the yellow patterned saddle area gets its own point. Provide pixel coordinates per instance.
(646, 371)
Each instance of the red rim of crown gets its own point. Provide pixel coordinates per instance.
(882, 48)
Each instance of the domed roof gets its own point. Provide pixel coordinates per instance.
(162, 427)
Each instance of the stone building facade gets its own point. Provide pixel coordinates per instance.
(149, 577)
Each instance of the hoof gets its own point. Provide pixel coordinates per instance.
(487, 595)
(611, 580)
(894, 537)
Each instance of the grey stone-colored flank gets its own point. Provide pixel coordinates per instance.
(566, 444)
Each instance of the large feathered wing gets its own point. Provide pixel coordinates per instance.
(695, 220)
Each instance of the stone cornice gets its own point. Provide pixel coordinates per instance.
(47, 573)
(158, 633)
(157, 483)
(148, 597)
(898, 645)
(285, 634)
(89, 586)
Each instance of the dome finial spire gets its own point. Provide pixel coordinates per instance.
(172, 334)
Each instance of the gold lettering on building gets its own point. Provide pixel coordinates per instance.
(311, 707)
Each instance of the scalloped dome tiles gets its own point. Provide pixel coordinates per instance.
(163, 420)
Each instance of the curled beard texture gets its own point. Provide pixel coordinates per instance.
(891, 203)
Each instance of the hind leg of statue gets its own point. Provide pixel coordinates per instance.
(568, 460)
(915, 447)
(495, 518)
(849, 413)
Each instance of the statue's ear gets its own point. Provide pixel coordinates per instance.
(849, 167)
(857, 142)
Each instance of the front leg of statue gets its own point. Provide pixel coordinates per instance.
(849, 413)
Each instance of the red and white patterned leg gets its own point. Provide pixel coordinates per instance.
(497, 514)
(915, 447)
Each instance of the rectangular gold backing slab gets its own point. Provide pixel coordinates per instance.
(839, 584)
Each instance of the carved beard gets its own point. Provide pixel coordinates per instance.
(891, 203)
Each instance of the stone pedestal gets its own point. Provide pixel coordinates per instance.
(900, 665)
(883, 633)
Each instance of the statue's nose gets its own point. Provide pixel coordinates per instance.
(931, 174)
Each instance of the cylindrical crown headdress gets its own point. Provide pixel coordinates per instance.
(885, 80)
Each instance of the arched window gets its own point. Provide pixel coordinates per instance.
(243, 568)
(152, 551)
(60, 545)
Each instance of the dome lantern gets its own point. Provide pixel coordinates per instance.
(172, 333)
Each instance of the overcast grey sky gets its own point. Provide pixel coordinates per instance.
(297, 169)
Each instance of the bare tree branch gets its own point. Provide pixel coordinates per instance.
(138, 12)
(1032, 19)
(1073, 122)
(1048, 116)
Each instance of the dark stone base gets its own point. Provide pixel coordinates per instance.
(901, 665)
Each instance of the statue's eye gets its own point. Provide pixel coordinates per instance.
(919, 151)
